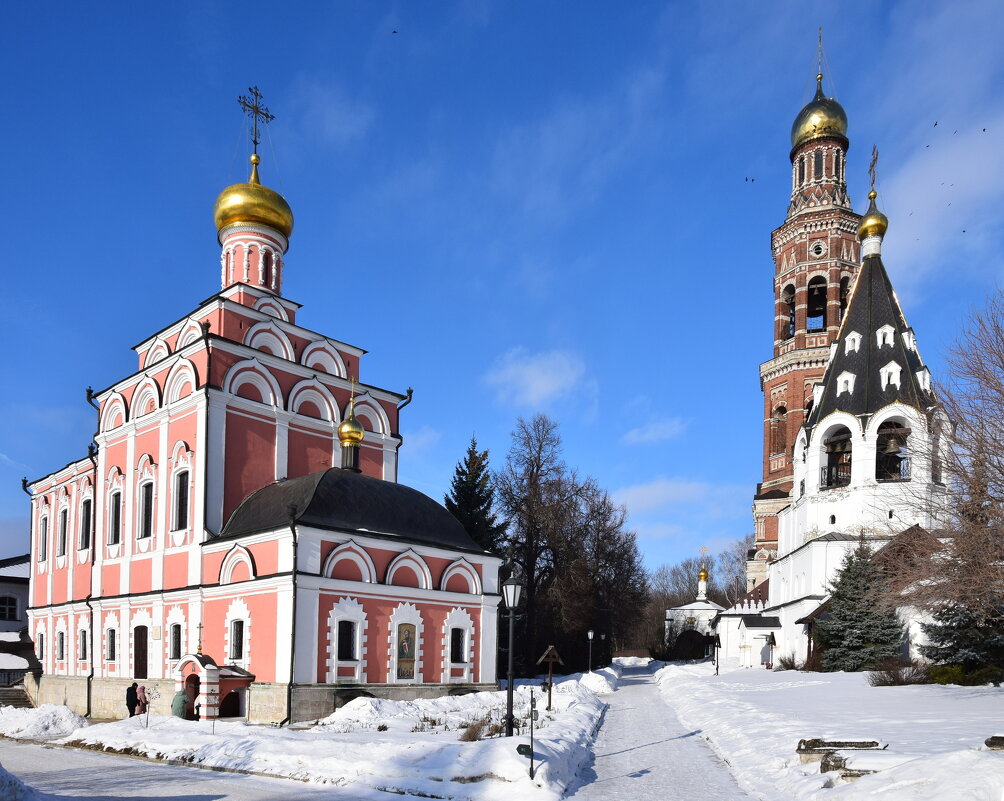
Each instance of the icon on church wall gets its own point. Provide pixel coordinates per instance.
(406, 639)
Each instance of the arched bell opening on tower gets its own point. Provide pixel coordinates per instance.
(788, 303)
(779, 431)
(815, 307)
(892, 459)
(836, 472)
(845, 291)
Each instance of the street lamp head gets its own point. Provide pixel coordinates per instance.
(511, 589)
(589, 634)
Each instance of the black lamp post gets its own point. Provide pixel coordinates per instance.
(589, 634)
(511, 589)
(717, 644)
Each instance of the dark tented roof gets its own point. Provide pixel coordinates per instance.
(343, 500)
(872, 305)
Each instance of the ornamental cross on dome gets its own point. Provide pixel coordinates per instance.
(871, 167)
(256, 111)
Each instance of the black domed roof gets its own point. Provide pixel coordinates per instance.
(343, 500)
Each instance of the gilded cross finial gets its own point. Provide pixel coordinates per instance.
(256, 111)
(871, 167)
(199, 650)
(819, 56)
(352, 395)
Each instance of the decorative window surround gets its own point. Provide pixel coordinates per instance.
(852, 342)
(458, 619)
(890, 375)
(352, 610)
(238, 555)
(845, 383)
(238, 610)
(884, 335)
(924, 379)
(462, 568)
(405, 613)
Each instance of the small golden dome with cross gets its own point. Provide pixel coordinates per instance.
(874, 223)
(253, 203)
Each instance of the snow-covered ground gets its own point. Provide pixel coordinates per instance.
(411, 747)
(755, 718)
(46, 722)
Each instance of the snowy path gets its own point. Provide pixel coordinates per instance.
(643, 752)
(64, 773)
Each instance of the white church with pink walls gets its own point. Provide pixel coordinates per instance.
(237, 531)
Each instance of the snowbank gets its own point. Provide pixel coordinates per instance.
(410, 747)
(602, 681)
(755, 718)
(12, 789)
(10, 636)
(632, 661)
(44, 723)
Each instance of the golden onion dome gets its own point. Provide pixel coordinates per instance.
(703, 575)
(253, 203)
(823, 116)
(874, 223)
(351, 431)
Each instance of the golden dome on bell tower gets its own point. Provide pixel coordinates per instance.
(823, 116)
(253, 203)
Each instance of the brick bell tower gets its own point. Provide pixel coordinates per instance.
(816, 257)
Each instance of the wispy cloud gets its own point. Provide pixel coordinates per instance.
(522, 378)
(6, 461)
(422, 440)
(328, 113)
(661, 493)
(655, 431)
(552, 166)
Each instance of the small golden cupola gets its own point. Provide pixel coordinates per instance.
(350, 434)
(252, 204)
(874, 223)
(823, 116)
(703, 575)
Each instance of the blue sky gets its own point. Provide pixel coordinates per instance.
(515, 207)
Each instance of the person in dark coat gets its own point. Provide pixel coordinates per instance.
(132, 699)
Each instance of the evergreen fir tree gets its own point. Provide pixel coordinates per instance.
(472, 499)
(858, 633)
(959, 637)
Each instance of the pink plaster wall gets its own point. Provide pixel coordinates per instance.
(250, 459)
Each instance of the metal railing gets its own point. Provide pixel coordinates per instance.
(888, 471)
(834, 475)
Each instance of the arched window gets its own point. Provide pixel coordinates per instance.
(779, 430)
(788, 299)
(145, 527)
(61, 534)
(43, 538)
(816, 305)
(845, 291)
(267, 269)
(818, 166)
(837, 470)
(237, 639)
(111, 652)
(892, 461)
(85, 525)
(801, 171)
(60, 646)
(180, 500)
(175, 652)
(114, 518)
(83, 645)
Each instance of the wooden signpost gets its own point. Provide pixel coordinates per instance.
(550, 656)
